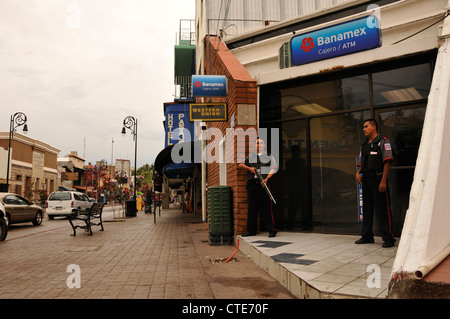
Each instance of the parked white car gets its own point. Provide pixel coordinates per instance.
(61, 203)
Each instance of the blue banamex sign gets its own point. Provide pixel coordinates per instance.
(209, 85)
(342, 39)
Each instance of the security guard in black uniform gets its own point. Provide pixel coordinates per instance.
(258, 200)
(374, 164)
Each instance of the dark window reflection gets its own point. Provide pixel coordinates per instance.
(325, 97)
(404, 129)
(335, 144)
(296, 214)
(411, 83)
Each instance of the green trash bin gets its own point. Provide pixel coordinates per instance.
(220, 215)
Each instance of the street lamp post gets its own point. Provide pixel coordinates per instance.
(131, 123)
(18, 119)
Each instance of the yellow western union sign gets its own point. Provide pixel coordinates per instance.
(208, 112)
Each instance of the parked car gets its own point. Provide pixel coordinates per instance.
(20, 210)
(3, 223)
(61, 203)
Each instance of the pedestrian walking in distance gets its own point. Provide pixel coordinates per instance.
(374, 163)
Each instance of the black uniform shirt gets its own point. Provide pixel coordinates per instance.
(264, 162)
(379, 150)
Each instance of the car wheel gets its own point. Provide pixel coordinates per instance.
(37, 219)
(3, 229)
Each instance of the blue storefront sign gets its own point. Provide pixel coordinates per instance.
(342, 39)
(178, 128)
(209, 85)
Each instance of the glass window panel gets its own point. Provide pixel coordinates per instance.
(21, 201)
(290, 184)
(404, 129)
(325, 97)
(354, 91)
(335, 144)
(294, 183)
(411, 83)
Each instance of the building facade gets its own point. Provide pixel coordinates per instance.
(123, 171)
(71, 171)
(33, 165)
(316, 75)
(318, 106)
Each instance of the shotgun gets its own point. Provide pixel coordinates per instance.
(265, 186)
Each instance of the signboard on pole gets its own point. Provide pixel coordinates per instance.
(215, 112)
(209, 85)
(342, 39)
(177, 127)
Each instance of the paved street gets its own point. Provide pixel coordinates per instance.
(27, 229)
(132, 259)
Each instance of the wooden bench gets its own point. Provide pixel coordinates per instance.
(88, 216)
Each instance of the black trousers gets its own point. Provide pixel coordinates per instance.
(259, 201)
(378, 201)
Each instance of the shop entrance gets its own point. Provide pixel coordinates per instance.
(318, 163)
(320, 122)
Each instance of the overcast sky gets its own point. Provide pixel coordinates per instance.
(77, 68)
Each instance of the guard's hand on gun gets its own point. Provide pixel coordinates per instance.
(263, 184)
(254, 171)
(358, 178)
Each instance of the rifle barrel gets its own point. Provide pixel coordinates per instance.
(265, 187)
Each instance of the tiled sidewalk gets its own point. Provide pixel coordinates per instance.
(314, 265)
(172, 259)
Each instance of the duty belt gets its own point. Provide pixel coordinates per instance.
(252, 180)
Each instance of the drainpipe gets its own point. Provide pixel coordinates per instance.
(203, 125)
(436, 260)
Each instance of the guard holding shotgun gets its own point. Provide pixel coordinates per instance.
(260, 167)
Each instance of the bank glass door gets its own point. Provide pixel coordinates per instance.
(335, 144)
(295, 213)
(404, 129)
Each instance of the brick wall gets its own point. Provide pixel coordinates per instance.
(241, 90)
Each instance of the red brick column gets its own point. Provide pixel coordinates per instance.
(241, 90)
